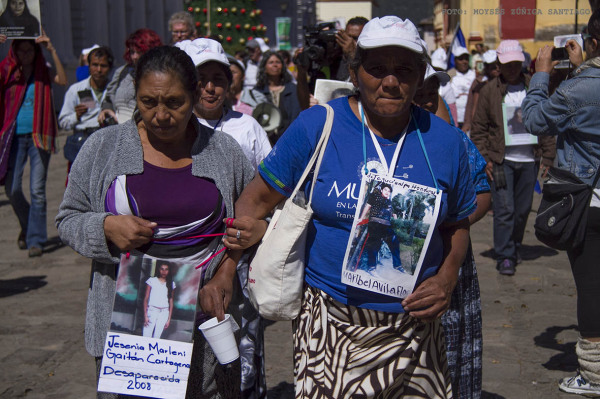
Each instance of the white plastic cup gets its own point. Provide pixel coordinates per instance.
(219, 335)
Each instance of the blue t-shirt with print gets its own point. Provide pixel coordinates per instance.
(338, 183)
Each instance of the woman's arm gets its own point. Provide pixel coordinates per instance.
(255, 203)
(61, 77)
(216, 294)
(432, 298)
(146, 299)
(170, 312)
(484, 200)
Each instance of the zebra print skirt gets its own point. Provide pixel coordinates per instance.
(342, 351)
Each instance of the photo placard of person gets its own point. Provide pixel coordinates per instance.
(399, 214)
(20, 19)
(516, 133)
(148, 348)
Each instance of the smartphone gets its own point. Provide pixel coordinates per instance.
(559, 53)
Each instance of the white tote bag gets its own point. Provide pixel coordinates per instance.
(276, 275)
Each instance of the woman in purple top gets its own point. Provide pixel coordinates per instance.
(161, 185)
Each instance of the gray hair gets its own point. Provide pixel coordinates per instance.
(181, 16)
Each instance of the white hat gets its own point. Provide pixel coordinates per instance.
(258, 42)
(489, 57)
(390, 31)
(457, 51)
(234, 61)
(439, 59)
(443, 77)
(88, 50)
(203, 50)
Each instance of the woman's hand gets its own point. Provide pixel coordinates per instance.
(575, 52)
(543, 62)
(146, 321)
(128, 232)
(216, 294)
(250, 230)
(432, 296)
(3, 39)
(168, 323)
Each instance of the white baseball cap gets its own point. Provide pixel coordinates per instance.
(258, 42)
(203, 50)
(439, 59)
(88, 50)
(489, 56)
(459, 50)
(390, 31)
(442, 76)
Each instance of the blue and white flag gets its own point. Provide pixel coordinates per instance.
(458, 43)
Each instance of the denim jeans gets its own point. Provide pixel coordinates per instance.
(511, 206)
(32, 218)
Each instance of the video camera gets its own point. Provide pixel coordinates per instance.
(320, 46)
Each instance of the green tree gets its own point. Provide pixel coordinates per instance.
(234, 21)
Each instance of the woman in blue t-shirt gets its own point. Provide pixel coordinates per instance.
(351, 342)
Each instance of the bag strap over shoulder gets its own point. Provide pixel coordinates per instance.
(317, 155)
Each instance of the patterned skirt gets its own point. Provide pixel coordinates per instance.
(342, 351)
(463, 333)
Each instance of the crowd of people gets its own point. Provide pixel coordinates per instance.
(178, 119)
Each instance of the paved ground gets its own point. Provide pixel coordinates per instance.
(529, 319)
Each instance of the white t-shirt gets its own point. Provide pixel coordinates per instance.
(461, 83)
(515, 94)
(159, 295)
(246, 131)
(250, 74)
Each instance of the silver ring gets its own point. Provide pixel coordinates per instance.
(238, 234)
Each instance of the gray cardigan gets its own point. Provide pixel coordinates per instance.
(114, 151)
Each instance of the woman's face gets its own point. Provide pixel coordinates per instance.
(238, 78)
(25, 53)
(165, 106)
(17, 7)
(135, 55)
(213, 84)
(385, 192)
(273, 67)
(164, 271)
(388, 79)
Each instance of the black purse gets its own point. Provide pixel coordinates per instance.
(562, 215)
(75, 142)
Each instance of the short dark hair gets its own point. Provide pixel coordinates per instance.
(100, 52)
(361, 21)
(168, 59)
(384, 185)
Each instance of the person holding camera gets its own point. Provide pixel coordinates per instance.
(337, 60)
(571, 114)
(512, 169)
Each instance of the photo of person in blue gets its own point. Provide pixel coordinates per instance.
(378, 209)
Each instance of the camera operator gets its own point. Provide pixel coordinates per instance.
(571, 114)
(335, 52)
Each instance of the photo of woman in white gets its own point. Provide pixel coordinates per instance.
(158, 301)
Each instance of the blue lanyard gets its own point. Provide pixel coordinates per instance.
(362, 117)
